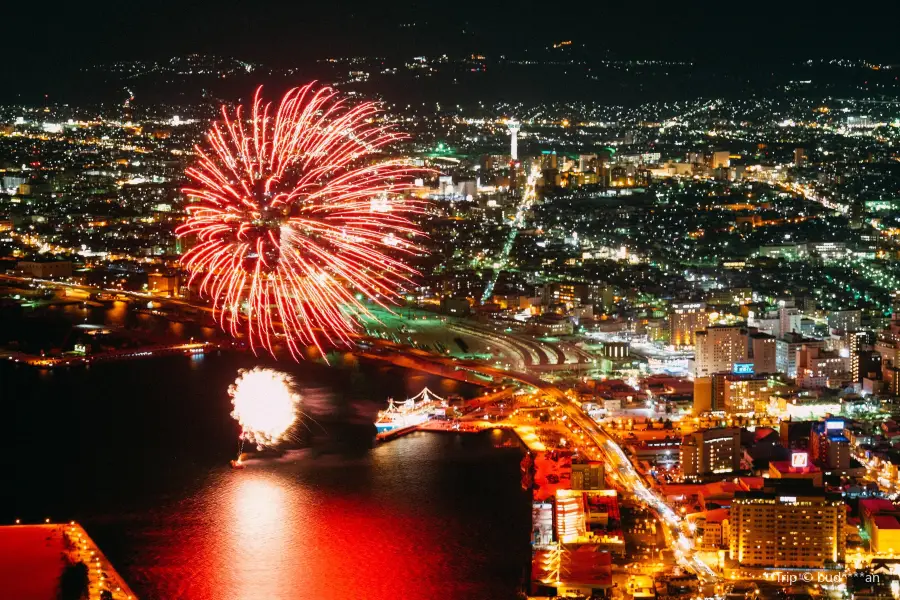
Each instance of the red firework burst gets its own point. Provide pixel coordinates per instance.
(294, 214)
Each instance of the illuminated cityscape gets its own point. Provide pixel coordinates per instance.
(451, 302)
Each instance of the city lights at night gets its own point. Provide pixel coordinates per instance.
(314, 301)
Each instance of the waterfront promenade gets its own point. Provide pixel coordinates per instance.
(526, 433)
(102, 575)
(49, 362)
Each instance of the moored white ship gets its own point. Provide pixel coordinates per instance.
(414, 411)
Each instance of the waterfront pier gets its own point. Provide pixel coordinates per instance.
(34, 557)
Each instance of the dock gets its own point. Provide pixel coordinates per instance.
(33, 557)
(525, 433)
(386, 436)
(426, 410)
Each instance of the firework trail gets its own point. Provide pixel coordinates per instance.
(295, 215)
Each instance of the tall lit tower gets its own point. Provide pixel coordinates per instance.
(514, 127)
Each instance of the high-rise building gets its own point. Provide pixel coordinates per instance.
(549, 160)
(685, 321)
(720, 159)
(789, 524)
(786, 351)
(829, 445)
(799, 157)
(891, 376)
(587, 162)
(702, 395)
(844, 320)
(762, 353)
(740, 393)
(711, 452)
(888, 346)
(789, 320)
(860, 340)
(718, 348)
(576, 294)
(604, 173)
(818, 368)
(836, 452)
(163, 283)
(865, 364)
(560, 294)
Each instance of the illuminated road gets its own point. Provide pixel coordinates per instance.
(810, 194)
(97, 290)
(630, 479)
(519, 222)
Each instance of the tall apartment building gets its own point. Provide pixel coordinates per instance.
(762, 353)
(817, 368)
(844, 320)
(577, 294)
(786, 351)
(787, 525)
(860, 340)
(785, 320)
(865, 364)
(718, 348)
(711, 452)
(829, 445)
(685, 321)
(720, 159)
(789, 320)
(740, 394)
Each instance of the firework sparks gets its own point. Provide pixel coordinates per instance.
(294, 215)
(265, 404)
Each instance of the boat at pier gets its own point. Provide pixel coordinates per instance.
(414, 411)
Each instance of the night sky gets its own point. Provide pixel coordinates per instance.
(46, 37)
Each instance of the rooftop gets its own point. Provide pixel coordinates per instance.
(875, 505)
(717, 515)
(785, 466)
(886, 522)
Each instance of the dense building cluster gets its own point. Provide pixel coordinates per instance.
(713, 280)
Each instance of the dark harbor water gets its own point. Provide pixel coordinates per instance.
(138, 452)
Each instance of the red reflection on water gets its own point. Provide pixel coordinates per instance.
(263, 535)
(259, 536)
